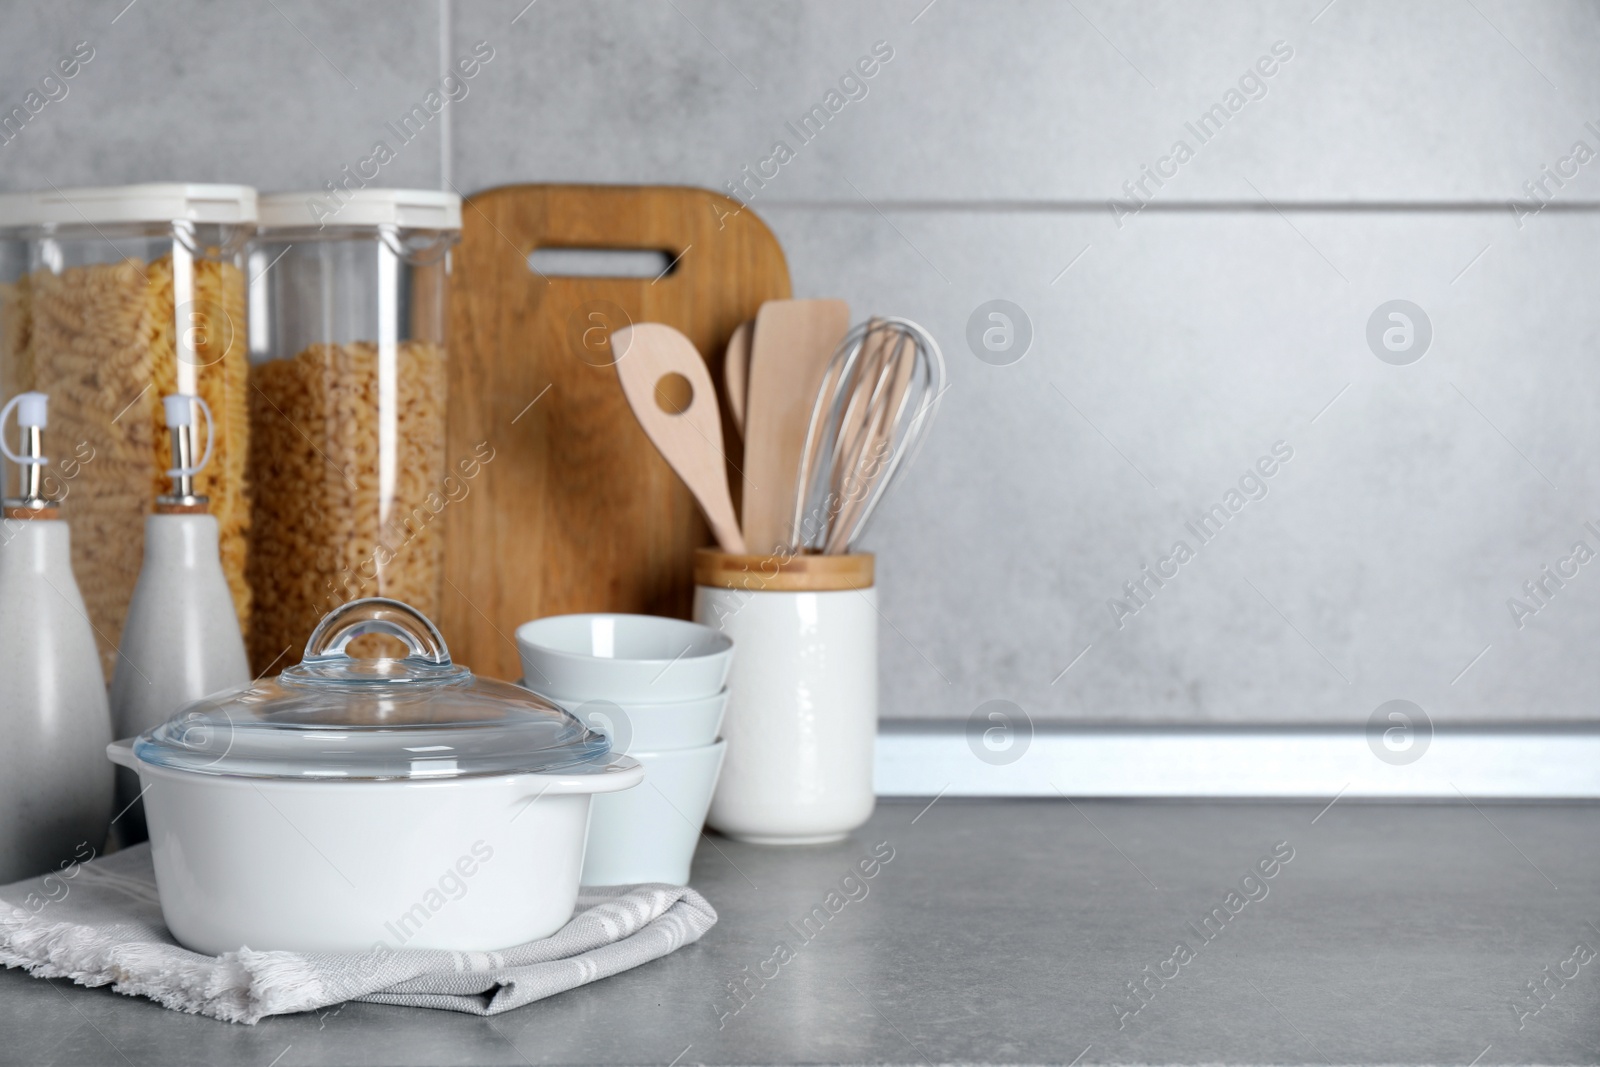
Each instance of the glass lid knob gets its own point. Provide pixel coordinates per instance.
(326, 657)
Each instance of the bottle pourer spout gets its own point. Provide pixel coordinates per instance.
(32, 417)
(179, 409)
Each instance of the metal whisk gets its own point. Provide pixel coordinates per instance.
(878, 398)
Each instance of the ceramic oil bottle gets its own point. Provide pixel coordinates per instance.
(181, 640)
(55, 783)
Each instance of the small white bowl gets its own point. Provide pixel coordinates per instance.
(649, 834)
(651, 727)
(643, 659)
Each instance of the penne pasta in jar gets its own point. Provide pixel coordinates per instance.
(347, 406)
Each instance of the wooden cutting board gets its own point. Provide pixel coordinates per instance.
(576, 511)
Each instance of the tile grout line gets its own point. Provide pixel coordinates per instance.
(1175, 207)
(446, 126)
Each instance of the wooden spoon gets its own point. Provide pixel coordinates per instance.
(736, 371)
(657, 366)
(794, 340)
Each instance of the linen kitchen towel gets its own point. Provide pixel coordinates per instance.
(99, 923)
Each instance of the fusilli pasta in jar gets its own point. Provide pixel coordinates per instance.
(109, 300)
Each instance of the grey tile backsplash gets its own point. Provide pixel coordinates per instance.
(1221, 485)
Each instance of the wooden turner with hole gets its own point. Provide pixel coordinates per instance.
(670, 392)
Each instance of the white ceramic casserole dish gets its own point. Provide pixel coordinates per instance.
(370, 805)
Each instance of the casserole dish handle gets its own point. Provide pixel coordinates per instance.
(620, 772)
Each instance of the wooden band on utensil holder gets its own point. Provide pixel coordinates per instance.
(799, 573)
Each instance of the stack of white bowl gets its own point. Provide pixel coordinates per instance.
(656, 687)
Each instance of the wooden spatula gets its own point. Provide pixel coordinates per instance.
(794, 339)
(670, 392)
(736, 371)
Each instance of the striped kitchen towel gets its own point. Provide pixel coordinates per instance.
(99, 923)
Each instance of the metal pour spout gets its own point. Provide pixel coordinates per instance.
(179, 409)
(32, 417)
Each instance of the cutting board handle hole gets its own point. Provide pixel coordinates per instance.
(674, 393)
(647, 263)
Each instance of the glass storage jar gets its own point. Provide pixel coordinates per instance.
(111, 299)
(347, 406)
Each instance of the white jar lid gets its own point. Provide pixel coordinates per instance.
(412, 209)
(151, 202)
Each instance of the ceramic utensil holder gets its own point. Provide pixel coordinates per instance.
(802, 693)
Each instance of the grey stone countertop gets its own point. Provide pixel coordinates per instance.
(1027, 932)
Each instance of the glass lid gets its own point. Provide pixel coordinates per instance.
(334, 717)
